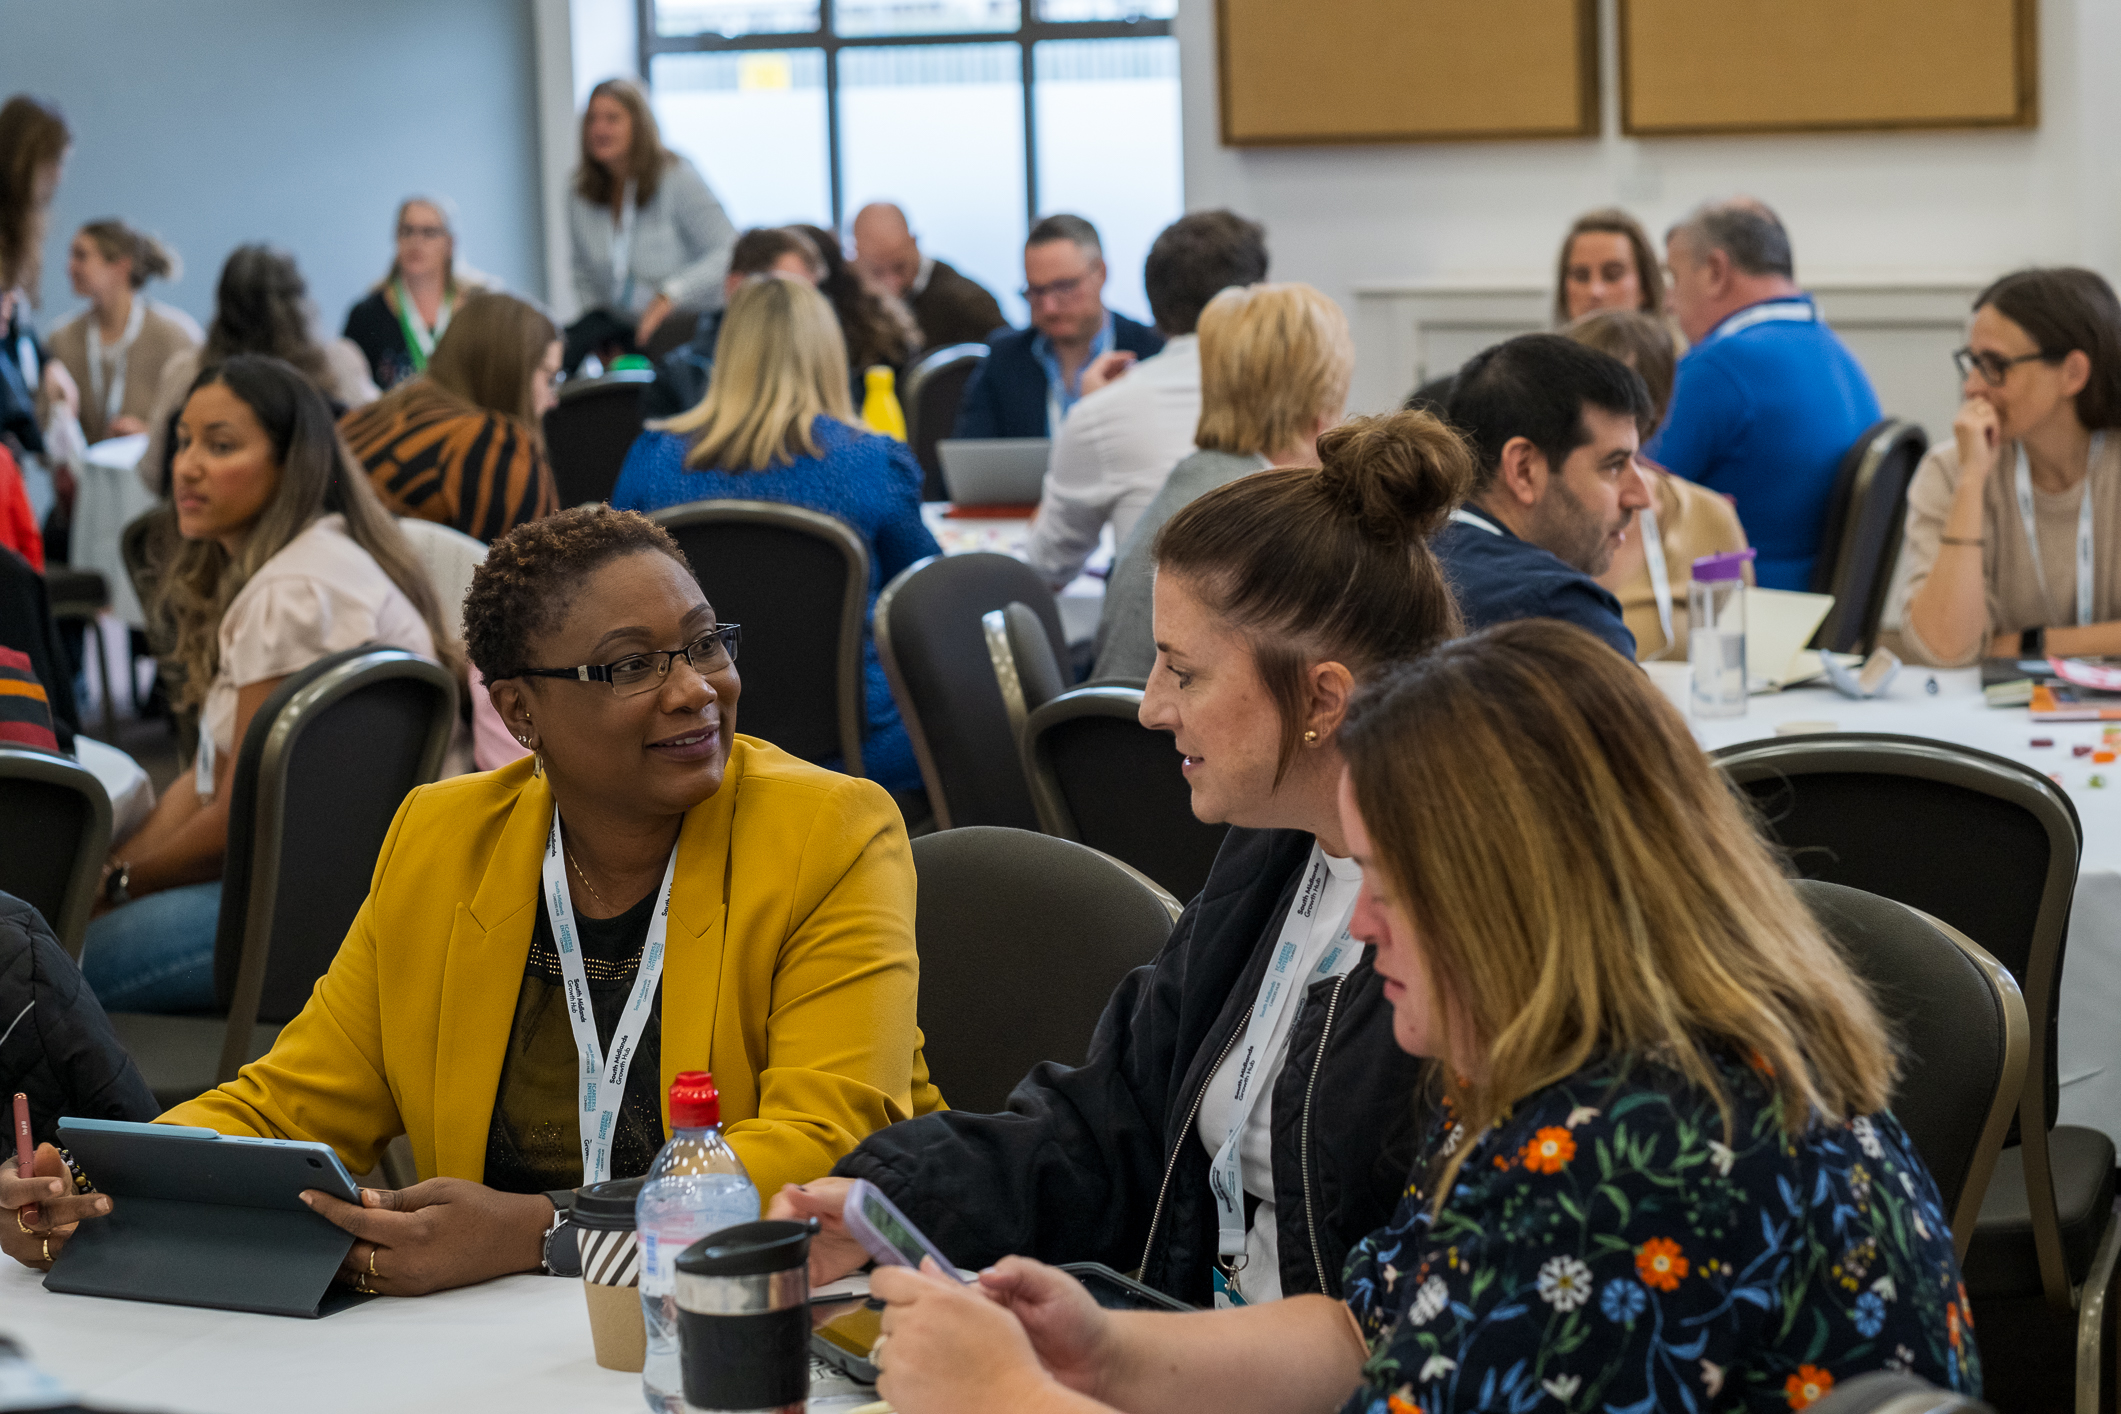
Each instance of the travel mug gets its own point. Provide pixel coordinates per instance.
(744, 1319)
(611, 1272)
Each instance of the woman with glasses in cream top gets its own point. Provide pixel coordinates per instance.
(2014, 528)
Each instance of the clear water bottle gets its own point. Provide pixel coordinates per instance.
(1716, 634)
(695, 1187)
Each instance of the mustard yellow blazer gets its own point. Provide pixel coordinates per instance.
(790, 973)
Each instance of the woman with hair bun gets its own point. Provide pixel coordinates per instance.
(117, 347)
(1254, 1058)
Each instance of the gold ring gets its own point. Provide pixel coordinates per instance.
(372, 1261)
(47, 1249)
(23, 1225)
(361, 1282)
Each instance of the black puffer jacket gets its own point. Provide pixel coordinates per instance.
(1103, 1162)
(58, 1046)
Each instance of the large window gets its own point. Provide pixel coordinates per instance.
(975, 116)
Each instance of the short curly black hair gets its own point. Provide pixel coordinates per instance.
(531, 573)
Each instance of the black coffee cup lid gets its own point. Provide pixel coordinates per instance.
(607, 1206)
(750, 1249)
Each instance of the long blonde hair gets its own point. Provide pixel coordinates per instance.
(1274, 359)
(317, 477)
(779, 365)
(1583, 884)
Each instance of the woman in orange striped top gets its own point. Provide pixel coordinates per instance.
(462, 444)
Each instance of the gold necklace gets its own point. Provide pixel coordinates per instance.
(585, 880)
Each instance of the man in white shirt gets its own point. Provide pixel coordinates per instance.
(1115, 449)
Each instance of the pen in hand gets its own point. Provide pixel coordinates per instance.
(25, 1155)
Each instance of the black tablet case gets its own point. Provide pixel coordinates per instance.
(205, 1221)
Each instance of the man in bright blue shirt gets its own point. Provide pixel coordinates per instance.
(1554, 425)
(1768, 400)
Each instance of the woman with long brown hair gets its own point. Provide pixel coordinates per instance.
(1663, 1176)
(34, 141)
(287, 557)
(463, 443)
(649, 237)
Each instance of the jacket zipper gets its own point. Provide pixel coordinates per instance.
(1325, 1035)
(1171, 1164)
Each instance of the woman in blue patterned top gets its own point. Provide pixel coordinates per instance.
(1666, 1178)
(777, 424)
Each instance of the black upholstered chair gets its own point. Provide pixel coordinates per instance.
(934, 388)
(932, 642)
(1022, 939)
(798, 582)
(1991, 848)
(1860, 543)
(1099, 776)
(1025, 669)
(55, 824)
(1961, 1023)
(322, 770)
(590, 430)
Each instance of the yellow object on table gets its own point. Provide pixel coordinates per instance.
(880, 409)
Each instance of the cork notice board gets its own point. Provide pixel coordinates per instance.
(1769, 66)
(1336, 71)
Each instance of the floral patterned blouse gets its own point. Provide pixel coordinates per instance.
(1605, 1249)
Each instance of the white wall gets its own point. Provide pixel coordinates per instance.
(1949, 206)
(300, 122)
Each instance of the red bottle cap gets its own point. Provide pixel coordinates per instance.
(694, 1102)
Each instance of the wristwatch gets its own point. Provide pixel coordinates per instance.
(118, 886)
(2033, 643)
(560, 1255)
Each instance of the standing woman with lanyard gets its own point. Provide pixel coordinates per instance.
(398, 323)
(648, 235)
(2014, 528)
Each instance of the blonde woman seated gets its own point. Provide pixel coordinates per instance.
(1664, 1175)
(287, 557)
(464, 442)
(778, 424)
(1275, 364)
(732, 909)
(2013, 542)
(1654, 566)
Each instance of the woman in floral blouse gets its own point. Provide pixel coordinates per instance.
(1667, 1178)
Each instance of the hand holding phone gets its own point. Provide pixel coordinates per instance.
(887, 1234)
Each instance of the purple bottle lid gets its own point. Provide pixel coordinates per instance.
(1730, 565)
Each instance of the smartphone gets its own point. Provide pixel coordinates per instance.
(844, 1341)
(885, 1232)
(1115, 1292)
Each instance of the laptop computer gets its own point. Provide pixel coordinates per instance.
(1000, 471)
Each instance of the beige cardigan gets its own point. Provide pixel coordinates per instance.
(1692, 521)
(2017, 597)
(165, 331)
(351, 385)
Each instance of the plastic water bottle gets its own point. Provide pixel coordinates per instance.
(695, 1187)
(880, 407)
(1716, 634)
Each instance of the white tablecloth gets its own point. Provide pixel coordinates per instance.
(109, 497)
(519, 1344)
(2089, 1055)
(1080, 603)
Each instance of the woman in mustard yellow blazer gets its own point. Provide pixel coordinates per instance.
(786, 956)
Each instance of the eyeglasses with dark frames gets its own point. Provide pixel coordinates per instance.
(712, 652)
(1994, 367)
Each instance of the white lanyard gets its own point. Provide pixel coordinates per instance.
(1276, 993)
(2084, 529)
(1787, 311)
(416, 323)
(114, 400)
(1466, 517)
(622, 251)
(1660, 583)
(601, 1081)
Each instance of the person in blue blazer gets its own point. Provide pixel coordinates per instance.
(1032, 376)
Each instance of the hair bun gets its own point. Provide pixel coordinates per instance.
(1398, 476)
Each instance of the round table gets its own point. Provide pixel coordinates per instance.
(1080, 602)
(2089, 1052)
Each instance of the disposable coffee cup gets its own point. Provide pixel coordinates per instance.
(744, 1318)
(611, 1272)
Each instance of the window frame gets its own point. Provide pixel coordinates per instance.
(1028, 34)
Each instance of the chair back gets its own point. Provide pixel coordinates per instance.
(326, 763)
(798, 581)
(1099, 776)
(55, 824)
(932, 642)
(1860, 543)
(1025, 669)
(934, 388)
(589, 431)
(1961, 1024)
(450, 557)
(1022, 940)
(1981, 842)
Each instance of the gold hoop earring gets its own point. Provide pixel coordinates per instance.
(537, 764)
